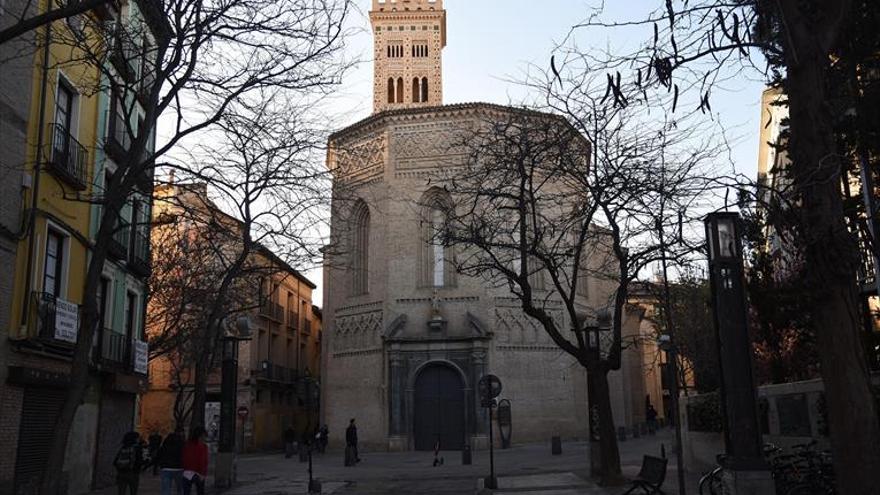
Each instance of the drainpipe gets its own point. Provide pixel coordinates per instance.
(32, 221)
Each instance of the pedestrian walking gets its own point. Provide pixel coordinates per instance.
(289, 442)
(351, 444)
(195, 461)
(128, 461)
(154, 442)
(651, 417)
(323, 438)
(170, 459)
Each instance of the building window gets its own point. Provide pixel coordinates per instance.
(399, 90)
(131, 315)
(54, 266)
(360, 249)
(424, 89)
(415, 90)
(64, 105)
(103, 302)
(390, 90)
(436, 258)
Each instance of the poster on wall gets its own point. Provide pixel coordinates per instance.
(66, 320)
(212, 420)
(141, 356)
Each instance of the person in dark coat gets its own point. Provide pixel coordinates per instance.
(128, 462)
(170, 459)
(651, 417)
(289, 442)
(351, 444)
(323, 438)
(154, 442)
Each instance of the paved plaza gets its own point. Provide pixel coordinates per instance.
(522, 469)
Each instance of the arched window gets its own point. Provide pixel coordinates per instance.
(415, 90)
(424, 89)
(390, 90)
(436, 259)
(399, 90)
(360, 248)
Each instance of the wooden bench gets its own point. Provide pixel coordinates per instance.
(650, 476)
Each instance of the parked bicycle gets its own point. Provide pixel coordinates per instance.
(804, 470)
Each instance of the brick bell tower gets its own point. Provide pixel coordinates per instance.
(409, 37)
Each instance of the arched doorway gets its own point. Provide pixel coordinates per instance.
(439, 409)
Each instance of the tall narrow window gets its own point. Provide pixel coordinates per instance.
(415, 90)
(130, 315)
(436, 259)
(103, 302)
(399, 90)
(437, 251)
(360, 249)
(424, 89)
(390, 90)
(53, 270)
(63, 123)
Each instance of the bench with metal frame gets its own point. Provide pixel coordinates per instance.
(651, 475)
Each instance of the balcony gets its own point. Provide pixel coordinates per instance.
(56, 321)
(115, 350)
(292, 320)
(67, 157)
(119, 242)
(140, 254)
(271, 310)
(276, 373)
(118, 139)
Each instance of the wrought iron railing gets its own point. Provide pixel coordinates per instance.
(119, 242)
(67, 157)
(140, 253)
(292, 319)
(115, 349)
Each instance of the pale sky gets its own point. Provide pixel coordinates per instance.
(490, 42)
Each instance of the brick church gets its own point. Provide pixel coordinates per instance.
(407, 338)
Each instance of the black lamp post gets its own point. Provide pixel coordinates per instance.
(594, 348)
(745, 470)
(225, 466)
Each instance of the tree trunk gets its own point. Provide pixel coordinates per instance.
(79, 369)
(610, 466)
(831, 256)
(200, 392)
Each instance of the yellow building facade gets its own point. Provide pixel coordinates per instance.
(62, 150)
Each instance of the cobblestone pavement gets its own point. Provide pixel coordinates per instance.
(521, 469)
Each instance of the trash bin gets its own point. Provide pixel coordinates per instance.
(556, 445)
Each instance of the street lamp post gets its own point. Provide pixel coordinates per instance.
(744, 468)
(224, 470)
(594, 347)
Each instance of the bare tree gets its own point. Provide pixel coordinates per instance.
(267, 192)
(26, 18)
(690, 48)
(190, 64)
(569, 209)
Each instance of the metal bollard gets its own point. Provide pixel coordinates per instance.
(466, 455)
(556, 445)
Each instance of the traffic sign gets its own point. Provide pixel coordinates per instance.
(242, 412)
(489, 387)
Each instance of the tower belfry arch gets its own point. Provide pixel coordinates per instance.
(409, 37)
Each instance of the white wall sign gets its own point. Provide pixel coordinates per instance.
(141, 356)
(66, 320)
